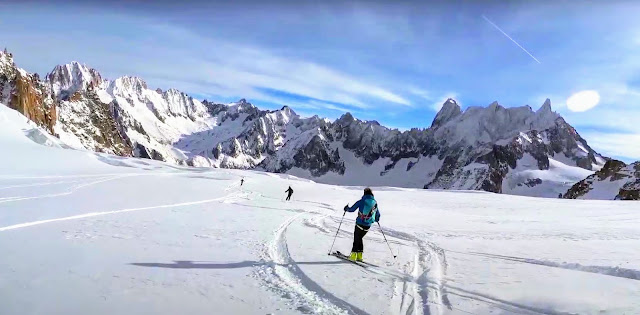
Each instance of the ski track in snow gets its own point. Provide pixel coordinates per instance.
(604, 270)
(66, 176)
(39, 184)
(422, 288)
(226, 198)
(423, 283)
(72, 190)
(283, 275)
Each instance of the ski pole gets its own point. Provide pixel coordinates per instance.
(385, 239)
(334, 238)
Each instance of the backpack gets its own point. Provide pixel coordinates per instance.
(367, 213)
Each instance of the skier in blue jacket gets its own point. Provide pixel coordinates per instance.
(368, 213)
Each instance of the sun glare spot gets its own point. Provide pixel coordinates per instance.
(583, 101)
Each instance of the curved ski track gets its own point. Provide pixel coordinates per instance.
(285, 277)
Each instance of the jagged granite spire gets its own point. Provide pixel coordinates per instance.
(450, 109)
(72, 77)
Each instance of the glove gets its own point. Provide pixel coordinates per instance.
(346, 208)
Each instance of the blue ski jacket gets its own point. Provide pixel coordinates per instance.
(368, 211)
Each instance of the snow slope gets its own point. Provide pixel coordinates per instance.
(85, 232)
(526, 180)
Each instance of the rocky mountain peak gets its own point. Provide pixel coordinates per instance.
(128, 85)
(26, 93)
(490, 124)
(450, 109)
(288, 111)
(546, 107)
(6, 60)
(345, 120)
(72, 77)
(242, 103)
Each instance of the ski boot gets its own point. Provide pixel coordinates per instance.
(353, 256)
(359, 257)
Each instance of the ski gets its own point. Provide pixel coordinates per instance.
(342, 256)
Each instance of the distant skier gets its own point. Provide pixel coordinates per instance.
(289, 192)
(368, 213)
(241, 182)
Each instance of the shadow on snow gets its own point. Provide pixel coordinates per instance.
(188, 264)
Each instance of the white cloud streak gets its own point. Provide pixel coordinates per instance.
(236, 66)
(620, 145)
(511, 39)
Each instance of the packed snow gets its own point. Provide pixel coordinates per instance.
(90, 233)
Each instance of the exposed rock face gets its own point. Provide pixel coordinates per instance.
(84, 119)
(122, 116)
(26, 93)
(93, 125)
(450, 110)
(616, 180)
(496, 149)
(316, 157)
(483, 146)
(65, 80)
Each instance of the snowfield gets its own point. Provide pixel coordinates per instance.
(89, 233)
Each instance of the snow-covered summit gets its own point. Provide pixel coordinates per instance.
(127, 85)
(72, 77)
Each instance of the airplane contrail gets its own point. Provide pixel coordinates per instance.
(509, 37)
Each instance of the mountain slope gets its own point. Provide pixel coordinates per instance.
(616, 180)
(504, 150)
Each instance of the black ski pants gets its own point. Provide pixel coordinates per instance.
(358, 234)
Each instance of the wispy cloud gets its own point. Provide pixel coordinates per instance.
(617, 145)
(424, 94)
(232, 65)
(511, 39)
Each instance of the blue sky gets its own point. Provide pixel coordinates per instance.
(394, 63)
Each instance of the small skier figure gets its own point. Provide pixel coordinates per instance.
(368, 213)
(241, 182)
(289, 192)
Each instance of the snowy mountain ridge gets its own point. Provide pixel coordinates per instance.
(505, 150)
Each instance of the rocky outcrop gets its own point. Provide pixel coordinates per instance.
(93, 124)
(317, 157)
(616, 180)
(25, 93)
